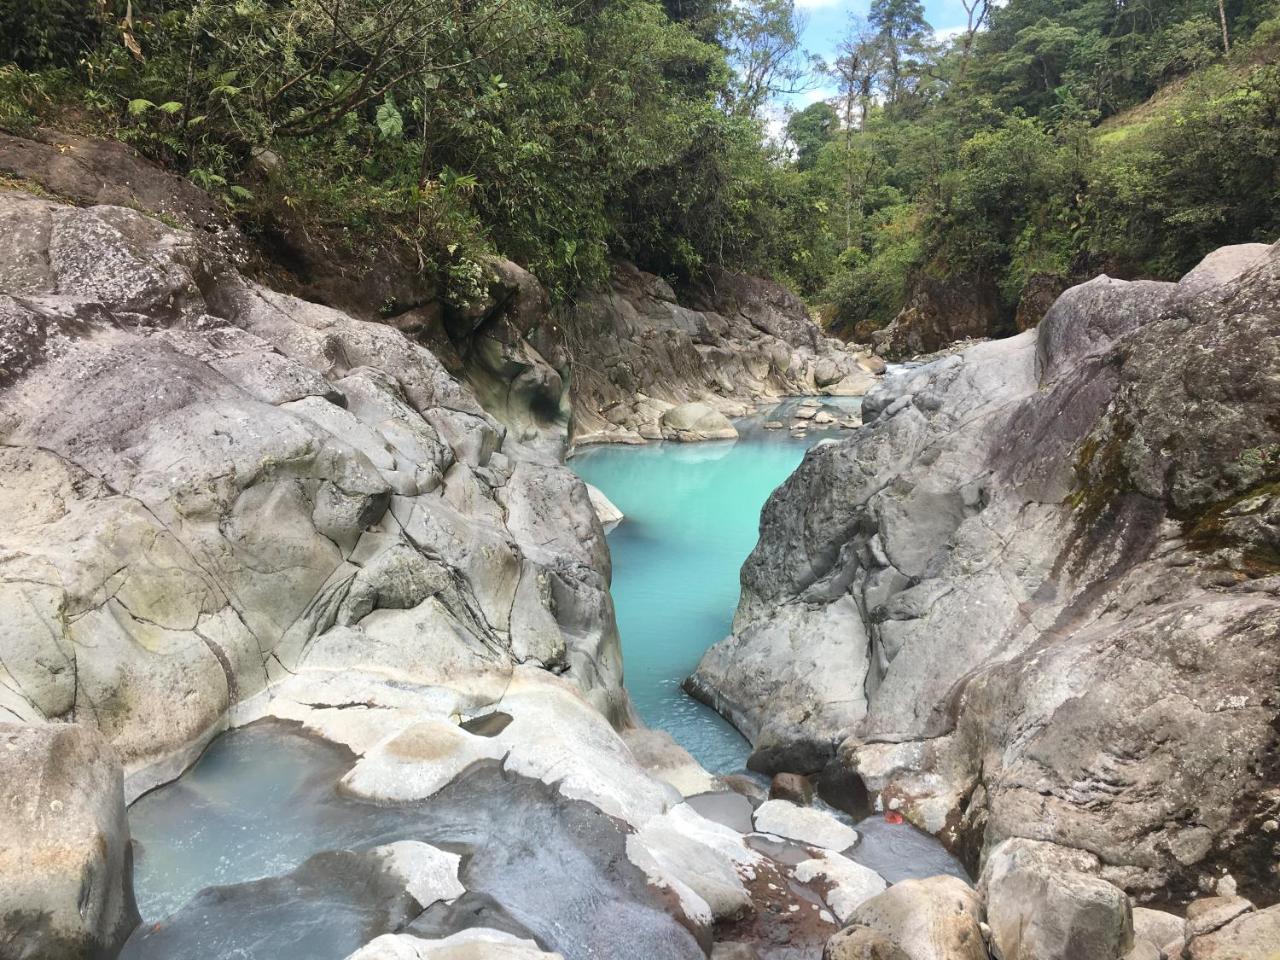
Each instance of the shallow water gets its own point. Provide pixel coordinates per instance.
(262, 801)
(692, 516)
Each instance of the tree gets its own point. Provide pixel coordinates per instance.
(810, 130)
(976, 13)
(762, 38)
(903, 31)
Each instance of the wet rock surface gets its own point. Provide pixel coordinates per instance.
(1036, 594)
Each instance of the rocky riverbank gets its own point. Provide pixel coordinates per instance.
(228, 504)
(1033, 604)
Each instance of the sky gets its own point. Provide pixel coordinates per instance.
(827, 23)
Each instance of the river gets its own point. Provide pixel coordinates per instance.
(692, 516)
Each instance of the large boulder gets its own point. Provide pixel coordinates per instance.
(938, 918)
(696, 421)
(1035, 595)
(1046, 901)
(66, 877)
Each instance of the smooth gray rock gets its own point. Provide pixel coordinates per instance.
(696, 421)
(66, 889)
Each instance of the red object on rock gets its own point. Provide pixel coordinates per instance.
(892, 816)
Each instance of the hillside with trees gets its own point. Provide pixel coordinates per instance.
(1046, 141)
(1049, 141)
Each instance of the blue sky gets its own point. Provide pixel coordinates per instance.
(827, 22)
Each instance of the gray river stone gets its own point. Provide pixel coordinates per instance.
(1036, 594)
(66, 889)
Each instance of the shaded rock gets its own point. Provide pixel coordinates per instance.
(696, 421)
(66, 885)
(940, 312)
(1046, 901)
(1036, 297)
(795, 787)
(807, 824)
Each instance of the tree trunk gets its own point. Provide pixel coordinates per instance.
(1222, 19)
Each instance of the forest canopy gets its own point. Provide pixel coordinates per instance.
(1044, 141)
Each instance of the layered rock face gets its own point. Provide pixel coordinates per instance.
(1036, 595)
(635, 362)
(637, 352)
(214, 486)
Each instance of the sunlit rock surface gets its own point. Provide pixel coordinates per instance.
(1036, 594)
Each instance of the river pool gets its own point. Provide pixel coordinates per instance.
(692, 516)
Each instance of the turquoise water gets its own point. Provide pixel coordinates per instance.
(692, 517)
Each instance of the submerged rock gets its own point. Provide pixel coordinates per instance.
(604, 507)
(696, 421)
(782, 818)
(466, 944)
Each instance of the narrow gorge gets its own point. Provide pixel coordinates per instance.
(338, 634)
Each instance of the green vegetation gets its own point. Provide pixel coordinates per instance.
(556, 133)
(1050, 140)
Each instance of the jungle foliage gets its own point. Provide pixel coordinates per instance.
(1048, 140)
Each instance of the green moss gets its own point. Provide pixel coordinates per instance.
(1101, 472)
(1209, 532)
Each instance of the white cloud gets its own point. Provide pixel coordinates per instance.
(947, 34)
